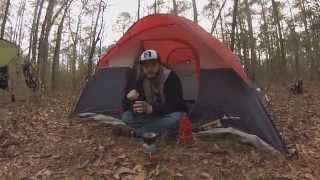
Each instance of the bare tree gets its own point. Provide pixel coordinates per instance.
(35, 29)
(214, 23)
(156, 6)
(4, 21)
(139, 6)
(265, 29)
(181, 7)
(251, 41)
(44, 38)
(75, 36)
(195, 11)
(224, 38)
(17, 36)
(43, 42)
(55, 61)
(95, 36)
(243, 42)
(175, 7)
(123, 22)
(234, 23)
(276, 16)
(17, 24)
(294, 41)
(308, 46)
(34, 20)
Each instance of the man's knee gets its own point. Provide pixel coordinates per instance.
(174, 117)
(171, 120)
(131, 120)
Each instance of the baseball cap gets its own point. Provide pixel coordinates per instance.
(149, 55)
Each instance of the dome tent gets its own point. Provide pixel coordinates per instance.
(11, 77)
(212, 76)
(8, 52)
(8, 58)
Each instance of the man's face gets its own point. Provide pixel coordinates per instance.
(151, 69)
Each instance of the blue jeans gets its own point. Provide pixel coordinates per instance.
(163, 124)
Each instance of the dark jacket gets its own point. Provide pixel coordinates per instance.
(172, 91)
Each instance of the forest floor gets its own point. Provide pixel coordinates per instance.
(42, 142)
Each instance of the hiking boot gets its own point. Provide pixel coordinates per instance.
(123, 130)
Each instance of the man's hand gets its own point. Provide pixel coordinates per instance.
(133, 95)
(142, 107)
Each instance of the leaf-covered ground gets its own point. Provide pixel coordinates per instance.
(41, 142)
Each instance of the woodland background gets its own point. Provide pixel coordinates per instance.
(64, 39)
(278, 42)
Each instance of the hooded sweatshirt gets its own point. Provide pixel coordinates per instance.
(164, 93)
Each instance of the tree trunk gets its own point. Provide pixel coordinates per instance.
(75, 41)
(308, 40)
(316, 43)
(283, 61)
(55, 62)
(33, 28)
(238, 42)
(244, 42)
(234, 23)
(23, 8)
(74, 53)
(224, 40)
(16, 26)
(175, 7)
(19, 23)
(266, 38)
(195, 11)
(44, 41)
(35, 34)
(155, 7)
(214, 23)
(251, 41)
(94, 42)
(44, 44)
(296, 42)
(5, 17)
(296, 53)
(139, 6)
(274, 45)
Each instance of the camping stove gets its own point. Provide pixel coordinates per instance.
(149, 143)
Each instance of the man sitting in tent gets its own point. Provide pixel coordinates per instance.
(155, 102)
